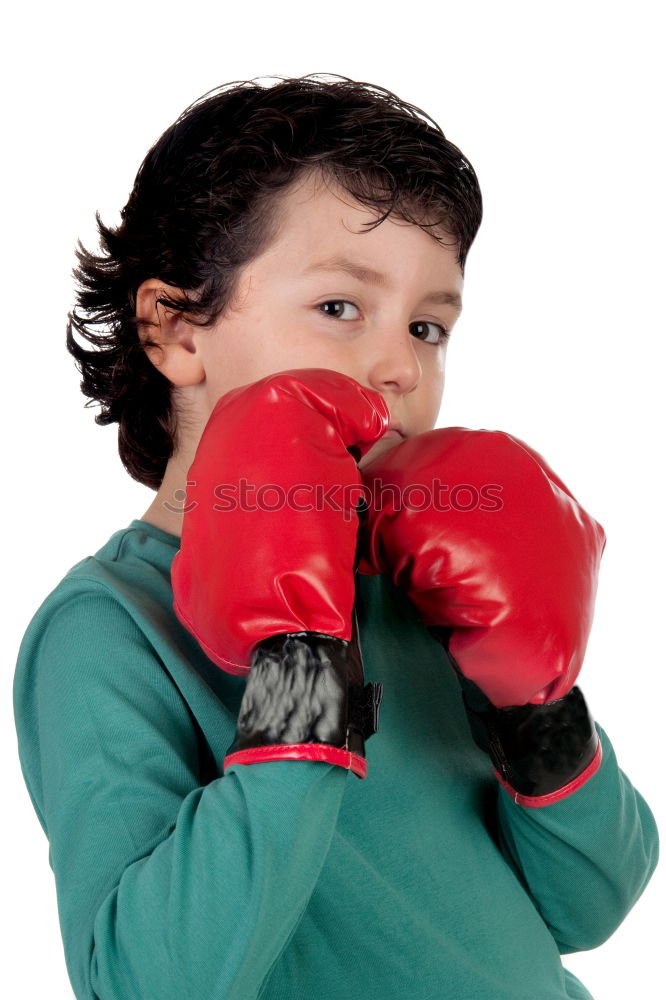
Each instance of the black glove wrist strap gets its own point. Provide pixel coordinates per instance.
(537, 749)
(307, 687)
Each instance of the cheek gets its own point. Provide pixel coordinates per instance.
(431, 399)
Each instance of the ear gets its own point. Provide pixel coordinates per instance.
(176, 357)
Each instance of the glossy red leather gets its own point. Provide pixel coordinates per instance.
(513, 575)
(267, 565)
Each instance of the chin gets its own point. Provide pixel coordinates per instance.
(383, 445)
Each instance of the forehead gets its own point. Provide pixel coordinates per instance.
(322, 223)
(315, 194)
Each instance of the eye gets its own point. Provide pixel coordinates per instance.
(336, 302)
(440, 337)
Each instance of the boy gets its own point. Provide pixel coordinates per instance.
(205, 840)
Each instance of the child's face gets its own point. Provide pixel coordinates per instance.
(384, 337)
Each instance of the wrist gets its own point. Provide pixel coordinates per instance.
(305, 700)
(541, 753)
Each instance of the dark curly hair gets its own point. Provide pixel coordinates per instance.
(204, 204)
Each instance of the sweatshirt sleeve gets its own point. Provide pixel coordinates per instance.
(586, 859)
(165, 888)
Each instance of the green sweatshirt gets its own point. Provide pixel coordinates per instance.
(295, 880)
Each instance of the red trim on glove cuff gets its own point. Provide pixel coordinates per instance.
(300, 751)
(536, 801)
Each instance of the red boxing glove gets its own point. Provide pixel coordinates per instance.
(264, 578)
(501, 562)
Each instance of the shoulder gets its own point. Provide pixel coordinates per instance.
(81, 643)
(121, 592)
(92, 696)
(101, 623)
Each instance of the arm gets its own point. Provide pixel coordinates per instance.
(586, 859)
(164, 888)
(508, 589)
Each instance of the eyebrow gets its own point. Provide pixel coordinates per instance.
(371, 277)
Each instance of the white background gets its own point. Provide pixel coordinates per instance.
(560, 109)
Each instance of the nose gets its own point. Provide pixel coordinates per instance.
(393, 365)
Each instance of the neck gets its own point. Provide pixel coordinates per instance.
(166, 510)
